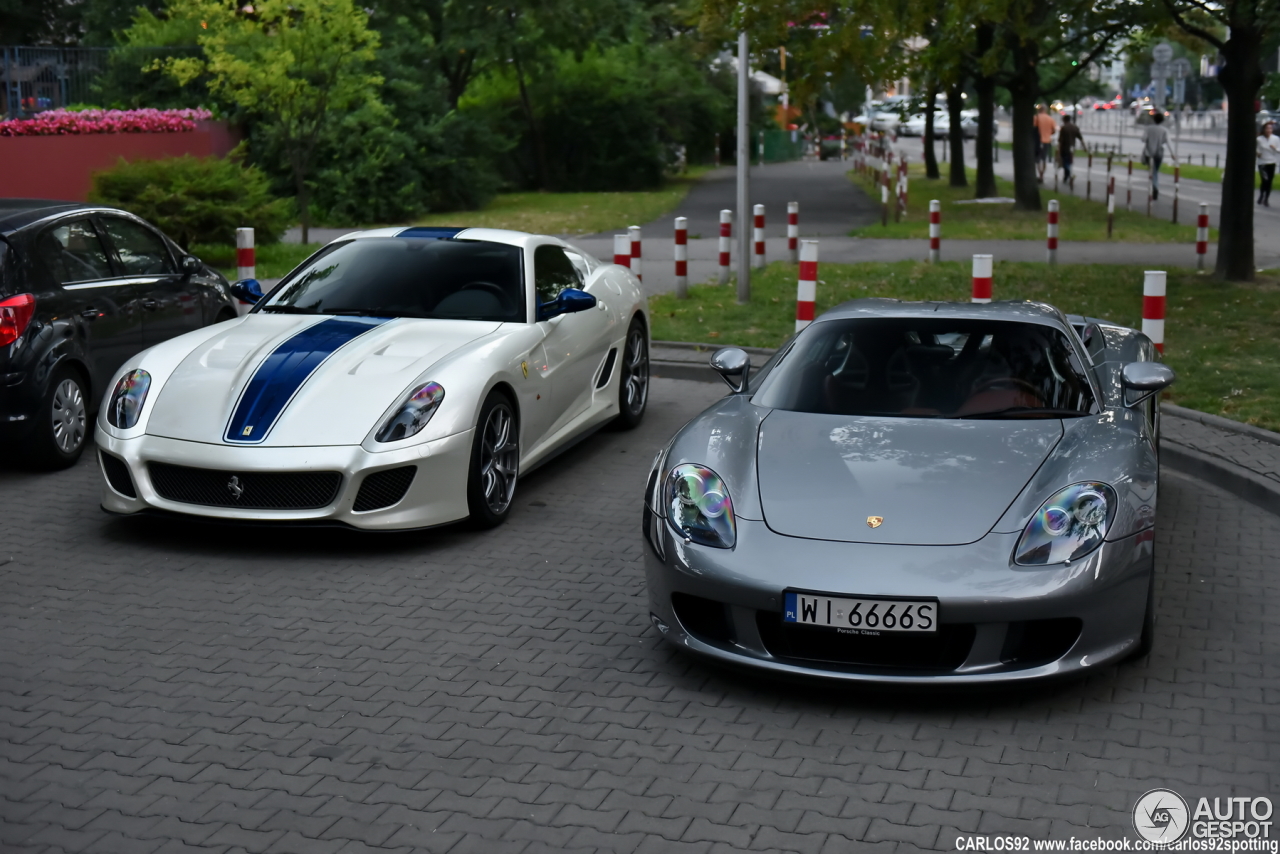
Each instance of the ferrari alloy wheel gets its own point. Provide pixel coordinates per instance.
(61, 434)
(633, 384)
(495, 462)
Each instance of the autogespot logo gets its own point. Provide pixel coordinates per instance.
(1161, 815)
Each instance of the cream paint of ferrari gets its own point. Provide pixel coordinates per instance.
(337, 405)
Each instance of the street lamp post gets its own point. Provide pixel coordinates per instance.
(744, 166)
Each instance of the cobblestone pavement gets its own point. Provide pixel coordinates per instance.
(170, 687)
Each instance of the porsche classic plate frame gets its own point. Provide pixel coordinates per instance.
(864, 614)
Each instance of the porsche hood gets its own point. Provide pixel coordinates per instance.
(293, 381)
(895, 480)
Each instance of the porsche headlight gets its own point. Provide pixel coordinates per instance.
(413, 414)
(1068, 526)
(126, 401)
(699, 507)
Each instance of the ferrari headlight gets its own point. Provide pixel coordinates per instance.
(126, 401)
(413, 414)
(1067, 526)
(699, 507)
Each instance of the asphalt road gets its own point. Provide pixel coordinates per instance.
(178, 687)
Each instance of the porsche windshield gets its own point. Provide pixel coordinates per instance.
(408, 277)
(930, 368)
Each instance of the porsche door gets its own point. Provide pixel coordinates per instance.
(575, 343)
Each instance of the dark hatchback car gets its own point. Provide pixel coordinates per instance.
(83, 288)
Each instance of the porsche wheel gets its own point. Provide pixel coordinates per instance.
(633, 383)
(495, 462)
(62, 426)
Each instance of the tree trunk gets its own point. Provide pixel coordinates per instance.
(1026, 191)
(930, 156)
(304, 202)
(1241, 78)
(539, 148)
(985, 184)
(955, 137)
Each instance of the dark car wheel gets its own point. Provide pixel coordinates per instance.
(62, 425)
(633, 382)
(495, 462)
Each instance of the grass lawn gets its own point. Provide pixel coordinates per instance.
(1219, 337)
(1077, 219)
(573, 213)
(274, 259)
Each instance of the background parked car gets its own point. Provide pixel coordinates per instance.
(83, 288)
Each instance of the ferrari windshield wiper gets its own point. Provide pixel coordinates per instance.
(1026, 410)
(359, 312)
(284, 308)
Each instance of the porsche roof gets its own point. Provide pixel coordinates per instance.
(1024, 311)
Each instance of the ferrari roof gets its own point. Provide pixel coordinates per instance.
(492, 235)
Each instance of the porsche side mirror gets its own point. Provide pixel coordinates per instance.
(1148, 377)
(247, 290)
(570, 301)
(734, 367)
(191, 265)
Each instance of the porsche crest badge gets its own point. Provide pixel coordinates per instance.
(875, 521)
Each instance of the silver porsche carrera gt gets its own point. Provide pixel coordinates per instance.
(917, 492)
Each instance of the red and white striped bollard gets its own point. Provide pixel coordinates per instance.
(726, 237)
(634, 232)
(622, 250)
(1053, 232)
(246, 264)
(1153, 304)
(935, 231)
(981, 278)
(793, 231)
(1111, 205)
(1202, 235)
(682, 257)
(757, 236)
(807, 287)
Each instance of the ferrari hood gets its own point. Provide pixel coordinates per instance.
(288, 380)
(895, 480)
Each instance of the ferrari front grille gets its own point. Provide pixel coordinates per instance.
(384, 488)
(117, 474)
(285, 490)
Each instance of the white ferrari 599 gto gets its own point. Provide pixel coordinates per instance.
(399, 378)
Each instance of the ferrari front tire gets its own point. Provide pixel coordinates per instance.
(633, 383)
(495, 462)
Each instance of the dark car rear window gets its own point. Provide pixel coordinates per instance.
(408, 277)
(8, 269)
(930, 368)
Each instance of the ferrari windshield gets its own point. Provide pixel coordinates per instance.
(408, 277)
(930, 368)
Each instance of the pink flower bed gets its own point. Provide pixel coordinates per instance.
(62, 122)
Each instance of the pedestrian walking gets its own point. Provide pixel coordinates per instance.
(1155, 139)
(1268, 156)
(1067, 139)
(1045, 128)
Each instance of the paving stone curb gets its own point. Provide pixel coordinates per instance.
(685, 360)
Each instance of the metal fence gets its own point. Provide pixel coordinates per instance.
(45, 78)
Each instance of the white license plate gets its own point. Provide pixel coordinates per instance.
(865, 616)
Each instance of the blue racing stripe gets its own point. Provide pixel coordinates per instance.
(281, 374)
(431, 232)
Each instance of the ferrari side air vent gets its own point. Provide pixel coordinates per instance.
(384, 488)
(117, 474)
(606, 373)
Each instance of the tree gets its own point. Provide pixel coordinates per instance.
(297, 65)
(1250, 24)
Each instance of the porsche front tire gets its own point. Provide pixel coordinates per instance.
(495, 462)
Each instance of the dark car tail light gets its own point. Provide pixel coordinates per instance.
(15, 315)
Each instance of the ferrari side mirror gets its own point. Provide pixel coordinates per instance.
(247, 290)
(570, 301)
(734, 367)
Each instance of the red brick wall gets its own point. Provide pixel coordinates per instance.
(60, 167)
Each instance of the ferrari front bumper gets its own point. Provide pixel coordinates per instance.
(436, 495)
(997, 622)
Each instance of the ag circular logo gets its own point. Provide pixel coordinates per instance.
(1161, 815)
